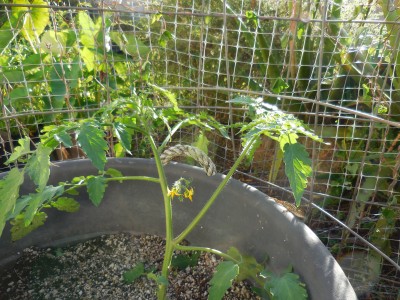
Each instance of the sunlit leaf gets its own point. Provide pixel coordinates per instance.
(155, 18)
(119, 150)
(19, 230)
(202, 143)
(35, 19)
(96, 186)
(38, 166)
(20, 205)
(124, 135)
(66, 204)
(21, 150)
(87, 32)
(91, 139)
(53, 42)
(9, 193)
(88, 56)
(297, 168)
(64, 137)
(225, 273)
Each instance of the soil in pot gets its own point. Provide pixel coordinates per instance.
(94, 270)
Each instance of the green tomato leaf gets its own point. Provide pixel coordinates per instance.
(134, 273)
(248, 265)
(286, 287)
(225, 273)
(72, 192)
(38, 166)
(78, 180)
(124, 135)
(167, 94)
(66, 204)
(24, 148)
(19, 230)
(182, 261)
(20, 205)
(91, 139)
(9, 192)
(202, 143)
(113, 173)
(38, 199)
(63, 137)
(297, 168)
(96, 186)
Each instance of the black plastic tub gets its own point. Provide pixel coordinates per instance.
(242, 217)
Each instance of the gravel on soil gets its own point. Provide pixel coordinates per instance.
(93, 270)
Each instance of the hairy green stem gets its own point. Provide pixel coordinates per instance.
(123, 178)
(169, 243)
(206, 249)
(144, 178)
(216, 193)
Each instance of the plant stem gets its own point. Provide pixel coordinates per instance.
(123, 178)
(205, 249)
(216, 193)
(144, 178)
(169, 243)
(253, 275)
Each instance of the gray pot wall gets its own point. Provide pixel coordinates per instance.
(242, 217)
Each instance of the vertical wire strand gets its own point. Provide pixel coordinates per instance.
(228, 80)
(318, 98)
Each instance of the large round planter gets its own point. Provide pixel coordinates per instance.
(242, 217)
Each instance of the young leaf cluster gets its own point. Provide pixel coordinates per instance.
(122, 118)
(285, 129)
(270, 286)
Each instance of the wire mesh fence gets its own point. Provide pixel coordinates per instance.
(334, 64)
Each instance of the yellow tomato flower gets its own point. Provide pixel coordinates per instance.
(189, 194)
(172, 193)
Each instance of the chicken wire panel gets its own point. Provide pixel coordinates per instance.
(333, 64)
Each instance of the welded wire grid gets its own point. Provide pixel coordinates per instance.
(334, 64)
